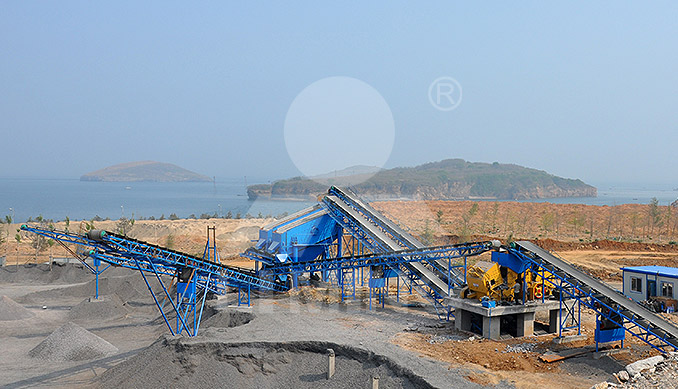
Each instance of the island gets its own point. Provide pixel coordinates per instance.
(450, 179)
(150, 171)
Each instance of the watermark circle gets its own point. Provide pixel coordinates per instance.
(445, 93)
(338, 127)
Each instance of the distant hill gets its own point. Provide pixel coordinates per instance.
(144, 171)
(444, 180)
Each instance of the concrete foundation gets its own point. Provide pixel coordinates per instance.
(470, 315)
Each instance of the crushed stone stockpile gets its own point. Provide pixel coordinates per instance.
(106, 307)
(127, 288)
(228, 318)
(56, 274)
(176, 363)
(10, 310)
(71, 342)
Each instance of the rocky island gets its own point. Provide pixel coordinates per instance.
(144, 171)
(451, 179)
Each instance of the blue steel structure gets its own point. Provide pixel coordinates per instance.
(433, 278)
(390, 258)
(315, 240)
(347, 267)
(301, 237)
(196, 276)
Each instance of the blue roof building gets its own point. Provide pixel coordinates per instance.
(643, 282)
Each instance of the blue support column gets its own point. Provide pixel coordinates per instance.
(560, 312)
(96, 275)
(295, 280)
(465, 267)
(398, 289)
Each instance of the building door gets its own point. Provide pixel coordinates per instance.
(651, 288)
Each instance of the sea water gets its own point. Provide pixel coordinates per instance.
(60, 198)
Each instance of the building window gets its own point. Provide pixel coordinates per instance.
(636, 284)
(667, 289)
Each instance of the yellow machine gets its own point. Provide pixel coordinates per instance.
(538, 287)
(485, 279)
(489, 279)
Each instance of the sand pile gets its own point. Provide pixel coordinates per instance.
(228, 318)
(71, 342)
(106, 307)
(10, 310)
(174, 362)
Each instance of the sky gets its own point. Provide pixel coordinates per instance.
(579, 89)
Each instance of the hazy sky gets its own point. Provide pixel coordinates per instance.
(577, 89)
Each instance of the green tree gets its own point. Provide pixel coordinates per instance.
(439, 217)
(495, 211)
(634, 224)
(547, 221)
(577, 222)
(39, 242)
(124, 225)
(8, 221)
(654, 214)
(427, 236)
(466, 217)
(169, 241)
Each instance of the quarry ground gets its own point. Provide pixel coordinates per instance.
(281, 340)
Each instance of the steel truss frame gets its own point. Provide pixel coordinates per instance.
(207, 275)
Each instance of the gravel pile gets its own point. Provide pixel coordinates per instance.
(520, 348)
(181, 363)
(57, 274)
(10, 310)
(129, 287)
(71, 342)
(42, 274)
(446, 338)
(106, 307)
